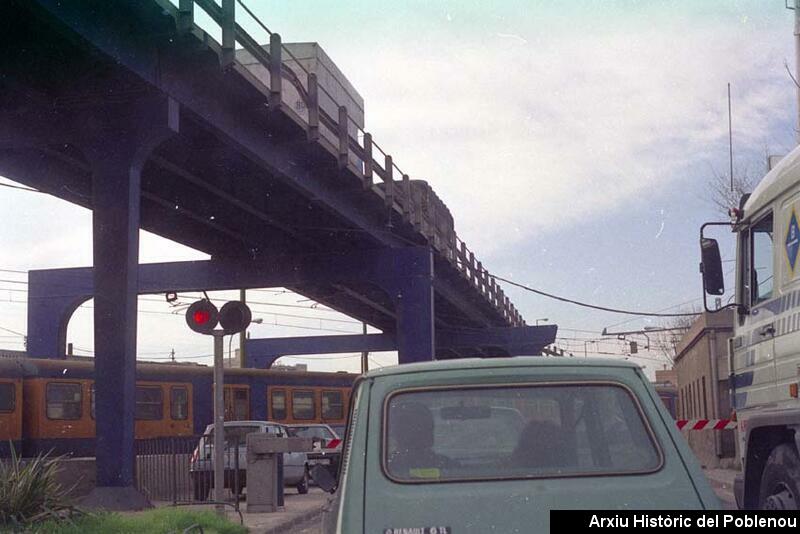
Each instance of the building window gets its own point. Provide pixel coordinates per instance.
(303, 407)
(8, 396)
(149, 403)
(278, 404)
(63, 401)
(179, 403)
(705, 400)
(332, 405)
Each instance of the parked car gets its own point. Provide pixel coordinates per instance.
(328, 444)
(201, 467)
(485, 445)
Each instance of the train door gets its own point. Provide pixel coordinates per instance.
(237, 403)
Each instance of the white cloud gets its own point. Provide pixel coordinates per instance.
(533, 134)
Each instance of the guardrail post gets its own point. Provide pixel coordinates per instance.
(407, 206)
(367, 160)
(228, 25)
(185, 15)
(463, 257)
(275, 67)
(480, 277)
(389, 192)
(472, 267)
(344, 149)
(313, 107)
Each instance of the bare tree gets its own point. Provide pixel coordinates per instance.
(666, 342)
(745, 179)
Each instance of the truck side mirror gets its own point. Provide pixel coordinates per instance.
(711, 267)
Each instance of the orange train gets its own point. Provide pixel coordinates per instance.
(49, 404)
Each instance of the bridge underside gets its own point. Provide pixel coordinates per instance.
(110, 106)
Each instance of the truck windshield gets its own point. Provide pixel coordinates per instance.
(516, 432)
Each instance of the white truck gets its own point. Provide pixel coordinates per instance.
(764, 352)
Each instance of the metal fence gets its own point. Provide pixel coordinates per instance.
(180, 470)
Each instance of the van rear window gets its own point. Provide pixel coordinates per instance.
(516, 432)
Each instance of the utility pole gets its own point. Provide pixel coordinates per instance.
(172, 355)
(365, 354)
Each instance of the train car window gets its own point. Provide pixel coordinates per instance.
(149, 403)
(7, 396)
(179, 403)
(63, 400)
(303, 405)
(278, 404)
(332, 405)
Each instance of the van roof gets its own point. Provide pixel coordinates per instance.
(490, 363)
(783, 176)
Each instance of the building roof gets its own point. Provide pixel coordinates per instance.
(722, 320)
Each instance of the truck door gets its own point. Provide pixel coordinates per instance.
(754, 346)
(787, 338)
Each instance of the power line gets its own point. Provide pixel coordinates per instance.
(12, 331)
(592, 306)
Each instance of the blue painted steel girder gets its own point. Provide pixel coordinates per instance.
(404, 274)
(502, 341)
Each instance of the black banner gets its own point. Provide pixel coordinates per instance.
(677, 520)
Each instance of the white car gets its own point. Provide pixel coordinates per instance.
(201, 468)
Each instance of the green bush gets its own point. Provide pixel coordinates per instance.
(29, 492)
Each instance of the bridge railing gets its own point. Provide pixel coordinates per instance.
(329, 123)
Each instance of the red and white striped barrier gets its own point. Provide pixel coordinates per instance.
(705, 424)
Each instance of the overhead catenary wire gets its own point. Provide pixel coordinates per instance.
(587, 305)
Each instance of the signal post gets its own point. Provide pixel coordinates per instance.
(203, 317)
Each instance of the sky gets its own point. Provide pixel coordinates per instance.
(574, 143)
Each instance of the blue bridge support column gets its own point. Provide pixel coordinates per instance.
(117, 154)
(416, 339)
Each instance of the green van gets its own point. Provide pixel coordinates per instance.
(492, 445)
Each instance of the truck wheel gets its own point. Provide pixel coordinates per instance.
(780, 480)
(302, 486)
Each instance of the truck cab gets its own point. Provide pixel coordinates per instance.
(764, 352)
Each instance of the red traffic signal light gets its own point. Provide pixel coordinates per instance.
(202, 317)
(234, 317)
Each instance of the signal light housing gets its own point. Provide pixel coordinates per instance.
(234, 317)
(202, 317)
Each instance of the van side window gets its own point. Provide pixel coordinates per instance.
(762, 263)
(63, 401)
(7, 397)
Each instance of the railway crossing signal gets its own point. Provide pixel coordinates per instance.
(234, 317)
(203, 317)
